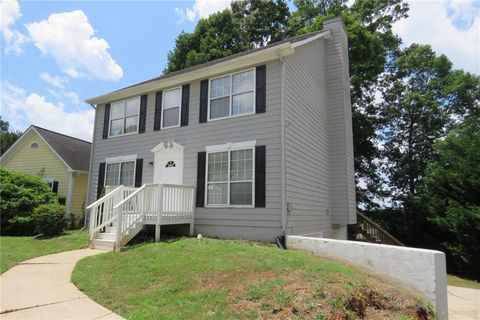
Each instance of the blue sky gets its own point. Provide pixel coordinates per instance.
(56, 54)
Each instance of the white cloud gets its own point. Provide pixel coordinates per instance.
(56, 81)
(451, 28)
(14, 39)
(22, 109)
(201, 9)
(70, 39)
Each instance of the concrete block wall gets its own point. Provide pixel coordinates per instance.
(421, 270)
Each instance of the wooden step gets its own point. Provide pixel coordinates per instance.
(107, 235)
(102, 244)
(110, 229)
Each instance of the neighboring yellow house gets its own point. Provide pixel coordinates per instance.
(60, 160)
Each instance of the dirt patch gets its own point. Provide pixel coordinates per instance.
(292, 295)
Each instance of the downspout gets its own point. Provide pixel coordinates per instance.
(282, 147)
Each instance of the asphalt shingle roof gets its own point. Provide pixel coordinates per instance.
(227, 58)
(75, 152)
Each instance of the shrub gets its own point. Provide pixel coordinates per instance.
(20, 194)
(50, 219)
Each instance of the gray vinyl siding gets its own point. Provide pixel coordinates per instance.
(306, 140)
(251, 223)
(343, 202)
(320, 186)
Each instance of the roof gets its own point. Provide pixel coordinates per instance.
(273, 47)
(74, 152)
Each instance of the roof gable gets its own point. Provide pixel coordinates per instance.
(75, 152)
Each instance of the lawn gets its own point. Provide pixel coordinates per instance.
(224, 279)
(18, 249)
(460, 282)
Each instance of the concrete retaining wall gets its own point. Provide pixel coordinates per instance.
(419, 269)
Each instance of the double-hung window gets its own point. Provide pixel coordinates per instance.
(171, 108)
(120, 173)
(124, 117)
(232, 95)
(230, 177)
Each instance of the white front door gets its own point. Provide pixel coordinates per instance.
(168, 165)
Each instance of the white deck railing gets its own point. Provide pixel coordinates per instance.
(157, 204)
(101, 211)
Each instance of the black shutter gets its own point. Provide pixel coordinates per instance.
(55, 187)
(201, 163)
(203, 101)
(138, 173)
(143, 114)
(261, 85)
(106, 121)
(157, 124)
(101, 179)
(185, 103)
(260, 176)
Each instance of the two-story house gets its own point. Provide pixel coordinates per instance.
(264, 137)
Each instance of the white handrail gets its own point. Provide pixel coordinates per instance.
(102, 198)
(131, 207)
(129, 197)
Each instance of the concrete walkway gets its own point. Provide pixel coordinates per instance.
(40, 288)
(463, 303)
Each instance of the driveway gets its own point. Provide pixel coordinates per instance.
(40, 288)
(463, 303)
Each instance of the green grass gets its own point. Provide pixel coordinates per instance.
(224, 279)
(18, 249)
(460, 282)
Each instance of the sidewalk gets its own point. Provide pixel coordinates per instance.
(463, 303)
(40, 288)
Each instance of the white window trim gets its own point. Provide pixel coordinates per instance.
(179, 109)
(120, 160)
(110, 118)
(231, 95)
(50, 181)
(228, 147)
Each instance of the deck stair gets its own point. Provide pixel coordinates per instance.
(370, 231)
(120, 215)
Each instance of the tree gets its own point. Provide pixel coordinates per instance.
(452, 196)
(371, 46)
(7, 138)
(261, 22)
(413, 116)
(214, 37)
(246, 25)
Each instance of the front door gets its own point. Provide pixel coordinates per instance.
(168, 165)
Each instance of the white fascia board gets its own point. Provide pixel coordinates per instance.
(327, 34)
(248, 60)
(53, 150)
(15, 145)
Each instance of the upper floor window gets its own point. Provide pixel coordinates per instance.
(171, 108)
(232, 95)
(124, 117)
(34, 145)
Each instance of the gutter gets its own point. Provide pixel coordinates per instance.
(205, 72)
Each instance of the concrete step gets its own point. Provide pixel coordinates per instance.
(107, 235)
(102, 244)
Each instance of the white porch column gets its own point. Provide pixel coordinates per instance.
(68, 202)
